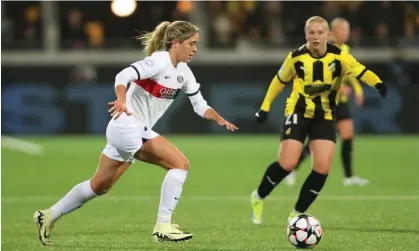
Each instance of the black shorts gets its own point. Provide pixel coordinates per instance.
(297, 127)
(343, 112)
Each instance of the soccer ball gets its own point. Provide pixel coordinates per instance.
(304, 231)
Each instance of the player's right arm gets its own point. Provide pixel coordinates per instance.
(143, 69)
(284, 75)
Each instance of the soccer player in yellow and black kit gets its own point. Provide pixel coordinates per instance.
(316, 69)
(340, 30)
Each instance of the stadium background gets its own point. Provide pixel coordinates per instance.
(59, 60)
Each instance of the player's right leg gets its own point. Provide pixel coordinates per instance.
(159, 151)
(107, 173)
(291, 146)
(292, 177)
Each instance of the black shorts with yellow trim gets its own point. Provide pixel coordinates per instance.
(297, 127)
(343, 112)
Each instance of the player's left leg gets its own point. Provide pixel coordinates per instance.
(159, 151)
(346, 133)
(322, 147)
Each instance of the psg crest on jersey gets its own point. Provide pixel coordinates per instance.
(148, 62)
(180, 78)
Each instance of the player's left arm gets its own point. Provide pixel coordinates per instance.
(200, 105)
(355, 69)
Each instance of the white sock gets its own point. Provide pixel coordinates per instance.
(171, 190)
(79, 195)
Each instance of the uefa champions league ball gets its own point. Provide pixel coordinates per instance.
(304, 231)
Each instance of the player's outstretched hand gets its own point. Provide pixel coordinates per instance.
(231, 127)
(382, 89)
(261, 116)
(118, 107)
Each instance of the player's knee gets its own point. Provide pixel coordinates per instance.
(288, 164)
(322, 166)
(346, 135)
(101, 190)
(184, 164)
(180, 163)
(346, 130)
(100, 186)
(289, 154)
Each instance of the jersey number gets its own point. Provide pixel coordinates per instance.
(291, 119)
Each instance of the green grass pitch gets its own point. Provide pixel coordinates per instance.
(215, 201)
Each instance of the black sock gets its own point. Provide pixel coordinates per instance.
(304, 154)
(311, 188)
(346, 156)
(273, 175)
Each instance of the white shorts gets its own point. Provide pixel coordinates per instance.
(125, 139)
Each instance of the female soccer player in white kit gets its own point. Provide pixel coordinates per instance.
(155, 82)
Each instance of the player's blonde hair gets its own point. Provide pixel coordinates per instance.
(337, 20)
(166, 32)
(317, 19)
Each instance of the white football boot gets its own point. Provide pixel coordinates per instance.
(170, 232)
(45, 225)
(355, 181)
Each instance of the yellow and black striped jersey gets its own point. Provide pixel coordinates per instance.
(316, 81)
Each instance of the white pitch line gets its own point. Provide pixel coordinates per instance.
(23, 199)
(19, 145)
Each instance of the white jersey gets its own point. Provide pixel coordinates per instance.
(155, 83)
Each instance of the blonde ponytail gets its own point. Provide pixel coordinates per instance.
(165, 33)
(154, 41)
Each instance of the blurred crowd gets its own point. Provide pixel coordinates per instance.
(273, 24)
(85, 24)
(92, 25)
